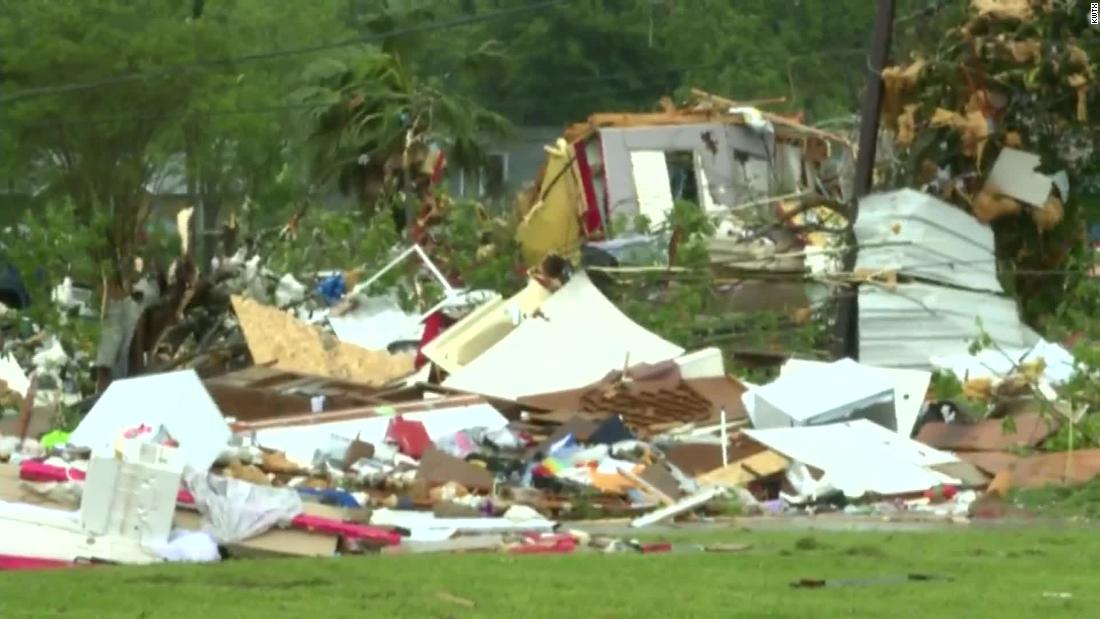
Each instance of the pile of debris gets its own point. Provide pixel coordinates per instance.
(529, 414)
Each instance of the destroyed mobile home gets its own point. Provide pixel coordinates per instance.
(273, 419)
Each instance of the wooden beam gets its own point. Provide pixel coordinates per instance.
(776, 119)
(658, 118)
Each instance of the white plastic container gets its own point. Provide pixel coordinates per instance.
(133, 497)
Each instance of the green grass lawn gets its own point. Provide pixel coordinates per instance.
(1079, 502)
(995, 573)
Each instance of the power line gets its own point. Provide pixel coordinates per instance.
(590, 93)
(374, 38)
(276, 109)
(105, 119)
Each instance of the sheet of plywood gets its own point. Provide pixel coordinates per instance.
(989, 434)
(1051, 469)
(741, 472)
(276, 338)
(992, 462)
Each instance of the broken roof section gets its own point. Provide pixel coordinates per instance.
(652, 396)
(715, 152)
(530, 359)
(704, 107)
(260, 392)
(264, 394)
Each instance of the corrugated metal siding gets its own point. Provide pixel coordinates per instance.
(921, 236)
(907, 327)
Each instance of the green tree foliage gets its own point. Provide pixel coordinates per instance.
(212, 88)
(673, 307)
(97, 145)
(99, 96)
(560, 64)
(241, 136)
(49, 244)
(1031, 99)
(370, 112)
(217, 87)
(481, 250)
(326, 241)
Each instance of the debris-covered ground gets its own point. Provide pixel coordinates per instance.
(567, 384)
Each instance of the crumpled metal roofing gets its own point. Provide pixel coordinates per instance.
(921, 236)
(907, 327)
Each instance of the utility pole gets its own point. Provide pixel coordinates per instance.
(872, 97)
(846, 331)
(197, 184)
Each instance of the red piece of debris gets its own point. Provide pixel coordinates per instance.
(410, 437)
(12, 563)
